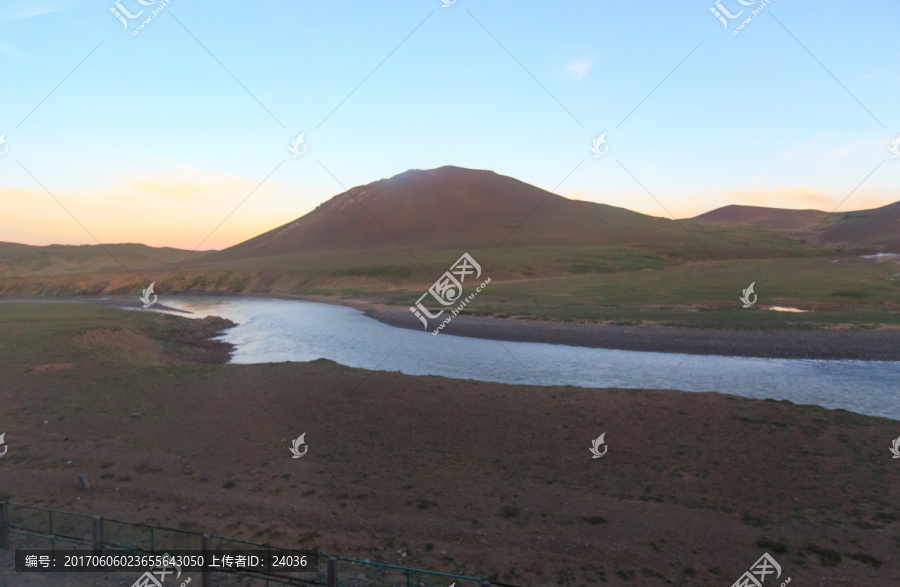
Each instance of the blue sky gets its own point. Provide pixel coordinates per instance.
(157, 137)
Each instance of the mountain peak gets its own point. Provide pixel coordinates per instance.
(446, 207)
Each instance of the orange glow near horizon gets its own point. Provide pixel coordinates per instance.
(181, 211)
(174, 211)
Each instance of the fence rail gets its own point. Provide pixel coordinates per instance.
(97, 533)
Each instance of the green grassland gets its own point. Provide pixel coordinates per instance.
(607, 284)
(32, 333)
(707, 295)
(18, 260)
(851, 291)
(617, 285)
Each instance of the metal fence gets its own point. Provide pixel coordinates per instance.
(50, 529)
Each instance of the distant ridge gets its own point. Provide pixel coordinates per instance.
(18, 259)
(878, 228)
(766, 218)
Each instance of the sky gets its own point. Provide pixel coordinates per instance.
(178, 134)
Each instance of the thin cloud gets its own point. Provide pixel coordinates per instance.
(801, 198)
(10, 12)
(781, 197)
(579, 68)
(186, 187)
(10, 50)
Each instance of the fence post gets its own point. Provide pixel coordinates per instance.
(4, 525)
(206, 547)
(332, 571)
(98, 534)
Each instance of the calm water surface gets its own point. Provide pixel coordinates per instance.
(271, 331)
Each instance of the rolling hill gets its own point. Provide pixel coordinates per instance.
(17, 260)
(794, 221)
(452, 208)
(877, 229)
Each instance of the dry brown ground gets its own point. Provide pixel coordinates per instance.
(477, 478)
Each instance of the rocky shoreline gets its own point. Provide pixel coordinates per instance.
(827, 344)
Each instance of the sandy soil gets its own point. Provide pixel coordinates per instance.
(482, 479)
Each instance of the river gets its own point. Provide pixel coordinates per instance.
(271, 331)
